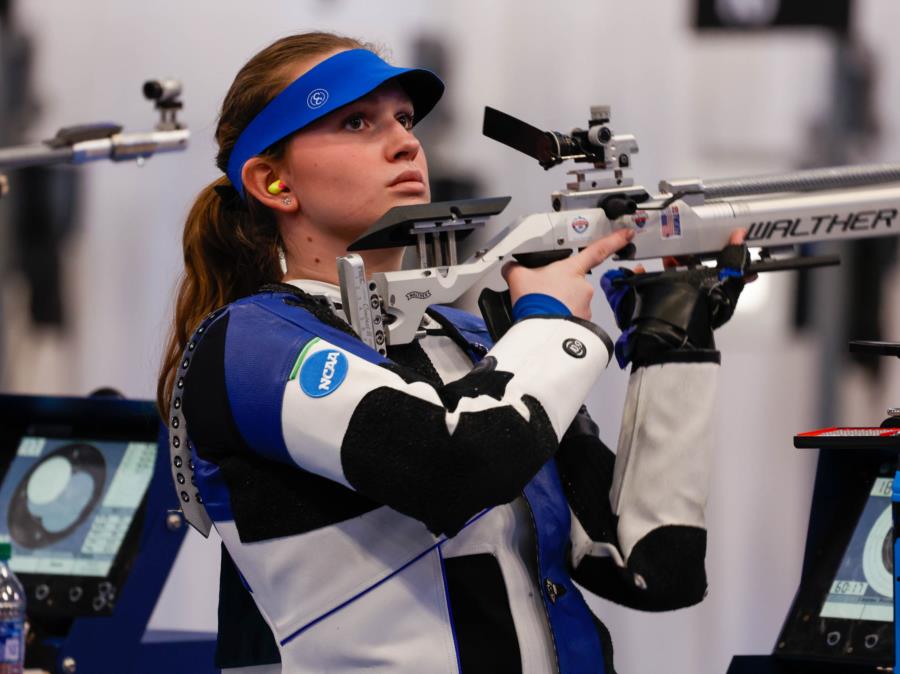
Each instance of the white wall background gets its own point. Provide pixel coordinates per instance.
(710, 106)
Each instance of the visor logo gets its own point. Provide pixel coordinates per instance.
(317, 98)
(323, 372)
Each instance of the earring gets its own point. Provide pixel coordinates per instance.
(287, 201)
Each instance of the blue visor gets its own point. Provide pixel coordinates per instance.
(333, 83)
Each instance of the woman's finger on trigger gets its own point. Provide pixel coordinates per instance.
(670, 261)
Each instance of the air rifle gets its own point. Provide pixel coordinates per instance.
(105, 140)
(690, 217)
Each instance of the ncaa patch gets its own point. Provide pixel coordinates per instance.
(323, 373)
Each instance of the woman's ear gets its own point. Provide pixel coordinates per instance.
(258, 175)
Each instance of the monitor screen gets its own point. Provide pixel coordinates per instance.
(66, 504)
(862, 588)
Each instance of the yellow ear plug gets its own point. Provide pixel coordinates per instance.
(277, 187)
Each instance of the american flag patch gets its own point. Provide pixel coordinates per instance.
(670, 223)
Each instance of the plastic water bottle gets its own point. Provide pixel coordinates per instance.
(12, 616)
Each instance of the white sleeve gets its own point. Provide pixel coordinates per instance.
(665, 449)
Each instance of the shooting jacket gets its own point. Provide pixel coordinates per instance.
(417, 514)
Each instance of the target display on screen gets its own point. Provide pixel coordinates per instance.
(66, 505)
(862, 588)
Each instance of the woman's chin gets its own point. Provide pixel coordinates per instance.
(410, 199)
(410, 189)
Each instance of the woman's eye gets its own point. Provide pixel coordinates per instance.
(355, 123)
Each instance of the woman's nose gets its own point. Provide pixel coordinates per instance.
(403, 145)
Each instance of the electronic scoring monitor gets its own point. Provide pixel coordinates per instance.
(843, 615)
(67, 504)
(74, 477)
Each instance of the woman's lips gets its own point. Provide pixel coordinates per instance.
(409, 179)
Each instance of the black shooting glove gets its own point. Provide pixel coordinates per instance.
(675, 309)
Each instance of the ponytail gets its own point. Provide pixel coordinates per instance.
(231, 247)
(230, 250)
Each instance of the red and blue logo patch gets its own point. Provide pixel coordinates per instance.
(580, 224)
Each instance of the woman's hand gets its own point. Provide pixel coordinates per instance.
(565, 280)
(676, 310)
